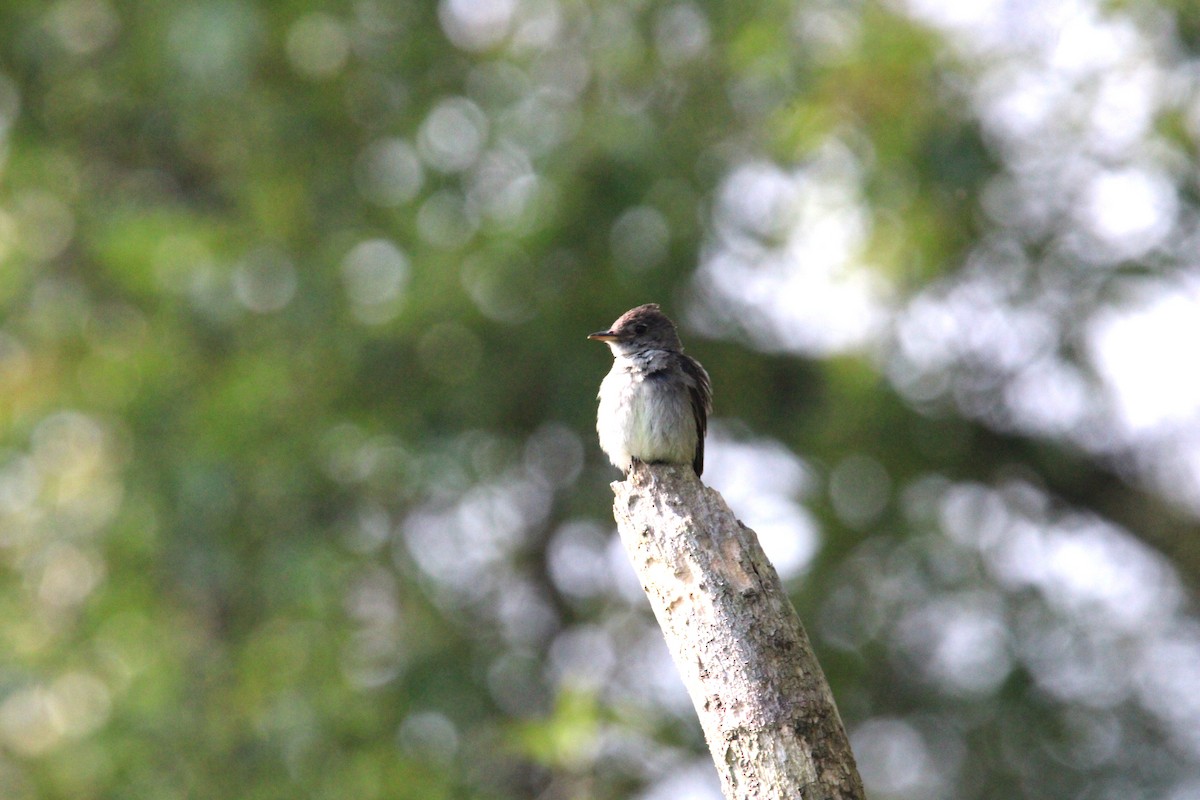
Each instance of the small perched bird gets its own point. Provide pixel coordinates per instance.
(655, 402)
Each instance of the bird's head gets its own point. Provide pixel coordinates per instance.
(639, 329)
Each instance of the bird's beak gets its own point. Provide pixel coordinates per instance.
(603, 336)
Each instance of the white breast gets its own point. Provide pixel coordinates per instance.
(641, 418)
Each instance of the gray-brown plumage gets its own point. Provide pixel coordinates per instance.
(655, 402)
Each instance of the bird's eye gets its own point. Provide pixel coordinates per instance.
(639, 329)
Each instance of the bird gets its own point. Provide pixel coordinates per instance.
(655, 401)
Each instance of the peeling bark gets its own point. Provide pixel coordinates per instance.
(767, 712)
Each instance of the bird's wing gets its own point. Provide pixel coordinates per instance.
(700, 393)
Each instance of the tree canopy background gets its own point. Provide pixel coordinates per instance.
(299, 493)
